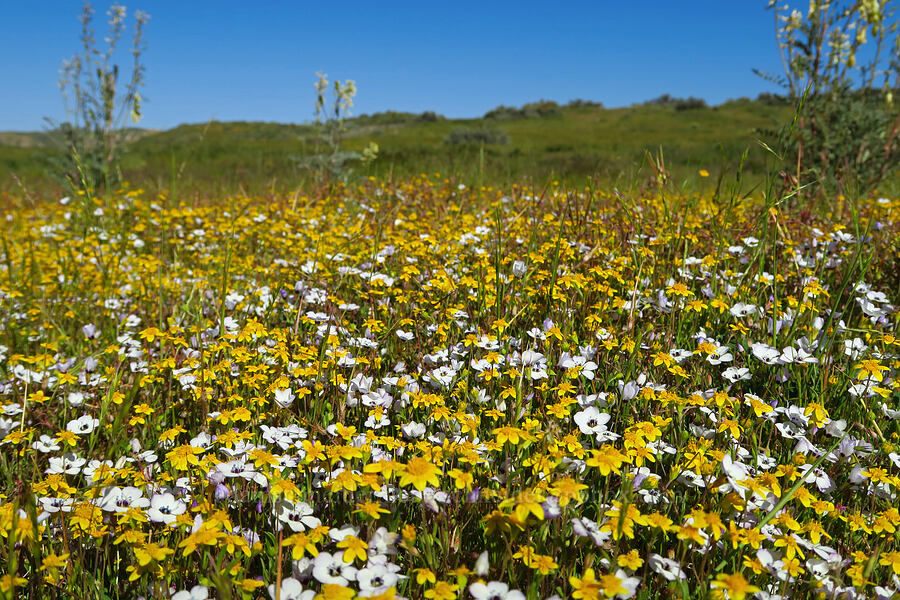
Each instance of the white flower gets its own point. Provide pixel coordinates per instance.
(298, 516)
(443, 376)
(743, 310)
(405, 335)
(766, 353)
(382, 544)
(116, 499)
(83, 425)
(374, 579)
(854, 348)
(518, 268)
(164, 508)
(735, 374)
(54, 505)
(413, 430)
(795, 355)
(198, 592)
(331, 568)
(291, 589)
(736, 472)
(584, 527)
(45, 444)
(494, 590)
(591, 421)
(284, 398)
(92, 467)
(482, 564)
(69, 463)
(338, 534)
(75, 399)
(377, 420)
(580, 364)
(721, 355)
(680, 355)
(666, 567)
(890, 413)
(628, 583)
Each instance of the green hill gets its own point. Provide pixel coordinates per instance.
(540, 141)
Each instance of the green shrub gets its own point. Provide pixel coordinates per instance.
(668, 101)
(841, 68)
(579, 103)
(429, 116)
(542, 108)
(466, 135)
(689, 103)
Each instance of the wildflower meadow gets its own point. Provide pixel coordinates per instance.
(419, 389)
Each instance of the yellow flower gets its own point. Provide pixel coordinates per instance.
(525, 554)
(735, 585)
(205, 536)
(504, 434)
(284, 487)
(181, 456)
(611, 585)
(567, 490)
(420, 472)
(248, 585)
(679, 289)
(442, 590)
(424, 576)
(151, 552)
(630, 561)
(388, 594)
(891, 559)
(586, 587)
(607, 459)
(870, 369)
(150, 334)
(462, 480)
(67, 437)
(331, 591)
(8, 582)
(53, 561)
(543, 564)
(353, 548)
(371, 509)
(409, 533)
(526, 503)
(302, 544)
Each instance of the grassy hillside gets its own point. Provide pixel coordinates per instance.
(572, 142)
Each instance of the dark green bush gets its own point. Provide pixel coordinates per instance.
(542, 108)
(579, 103)
(466, 135)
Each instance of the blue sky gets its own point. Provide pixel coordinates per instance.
(232, 60)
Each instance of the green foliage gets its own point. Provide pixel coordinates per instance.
(841, 67)
(467, 135)
(532, 110)
(392, 117)
(97, 104)
(579, 103)
(772, 99)
(668, 101)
